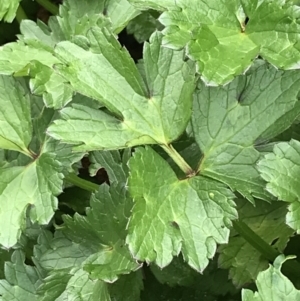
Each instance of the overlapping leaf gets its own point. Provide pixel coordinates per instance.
(15, 118)
(224, 37)
(21, 280)
(113, 162)
(267, 221)
(156, 113)
(229, 121)
(272, 285)
(99, 238)
(143, 26)
(35, 184)
(33, 53)
(20, 186)
(190, 215)
(8, 9)
(281, 170)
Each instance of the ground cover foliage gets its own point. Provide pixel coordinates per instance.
(172, 174)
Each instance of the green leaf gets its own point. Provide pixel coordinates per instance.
(120, 12)
(152, 4)
(221, 39)
(113, 162)
(281, 171)
(170, 215)
(55, 90)
(32, 54)
(15, 57)
(74, 285)
(272, 285)
(228, 123)
(176, 273)
(8, 9)
(158, 113)
(15, 119)
(128, 287)
(79, 17)
(21, 281)
(34, 185)
(95, 242)
(267, 221)
(143, 26)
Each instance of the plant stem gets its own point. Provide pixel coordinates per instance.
(171, 151)
(255, 241)
(20, 15)
(291, 267)
(84, 184)
(49, 6)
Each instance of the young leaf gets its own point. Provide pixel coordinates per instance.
(15, 117)
(190, 215)
(160, 118)
(225, 37)
(8, 9)
(229, 121)
(267, 221)
(281, 171)
(272, 285)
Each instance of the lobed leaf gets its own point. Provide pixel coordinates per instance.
(267, 221)
(8, 9)
(15, 116)
(143, 114)
(229, 122)
(224, 37)
(281, 170)
(190, 215)
(272, 285)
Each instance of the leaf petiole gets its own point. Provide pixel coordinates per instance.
(171, 151)
(267, 251)
(20, 15)
(49, 6)
(84, 184)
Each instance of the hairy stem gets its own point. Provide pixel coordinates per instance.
(171, 151)
(49, 6)
(20, 15)
(84, 184)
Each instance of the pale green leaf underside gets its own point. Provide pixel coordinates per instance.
(8, 9)
(228, 121)
(35, 184)
(209, 30)
(281, 170)
(154, 113)
(272, 285)
(15, 116)
(170, 215)
(267, 221)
